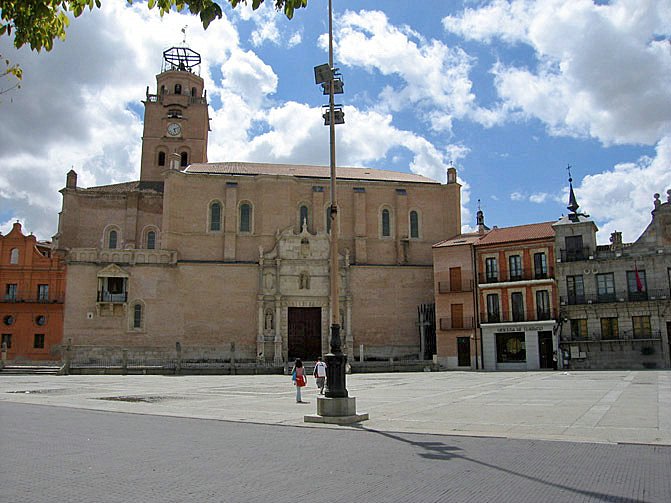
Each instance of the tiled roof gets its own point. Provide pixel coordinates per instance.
(541, 230)
(252, 169)
(122, 188)
(461, 239)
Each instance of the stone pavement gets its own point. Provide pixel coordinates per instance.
(601, 407)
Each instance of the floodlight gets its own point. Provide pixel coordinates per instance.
(323, 73)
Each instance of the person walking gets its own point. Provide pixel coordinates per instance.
(320, 374)
(299, 378)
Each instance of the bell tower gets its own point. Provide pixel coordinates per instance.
(176, 119)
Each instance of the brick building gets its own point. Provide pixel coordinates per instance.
(32, 279)
(496, 298)
(230, 259)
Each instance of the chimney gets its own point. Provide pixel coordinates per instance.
(451, 175)
(616, 240)
(71, 179)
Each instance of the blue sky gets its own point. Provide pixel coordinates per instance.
(510, 92)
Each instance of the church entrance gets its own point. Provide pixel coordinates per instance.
(304, 333)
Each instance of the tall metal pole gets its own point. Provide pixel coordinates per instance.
(335, 360)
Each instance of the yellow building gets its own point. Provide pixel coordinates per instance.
(230, 259)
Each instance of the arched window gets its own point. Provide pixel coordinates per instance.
(178, 88)
(193, 92)
(414, 224)
(303, 216)
(14, 256)
(245, 217)
(137, 315)
(386, 223)
(184, 159)
(151, 240)
(215, 217)
(162, 89)
(112, 240)
(328, 219)
(161, 158)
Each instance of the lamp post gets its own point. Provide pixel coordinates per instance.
(326, 76)
(336, 407)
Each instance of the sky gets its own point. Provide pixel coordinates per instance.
(510, 92)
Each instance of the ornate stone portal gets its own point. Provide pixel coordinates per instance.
(295, 274)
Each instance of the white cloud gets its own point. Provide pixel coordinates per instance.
(539, 197)
(433, 76)
(517, 196)
(602, 72)
(621, 199)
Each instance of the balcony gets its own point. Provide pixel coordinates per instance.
(455, 286)
(573, 300)
(466, 322)
(624, 335)
(523, 275)
(113, 298)
(515, 316)
(33, 299)
(575, 255)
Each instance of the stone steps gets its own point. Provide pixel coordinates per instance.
(30, 369)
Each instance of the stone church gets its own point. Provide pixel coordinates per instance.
(231, 259)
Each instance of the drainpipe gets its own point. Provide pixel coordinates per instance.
(477, 309)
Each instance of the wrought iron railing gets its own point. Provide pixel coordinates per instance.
(516, 316)
(572, 300)
(522, 275)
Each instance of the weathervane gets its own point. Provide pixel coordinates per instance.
(184, 33)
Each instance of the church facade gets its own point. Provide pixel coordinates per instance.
(230, 259)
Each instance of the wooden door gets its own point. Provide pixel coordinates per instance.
(464, 351)
(304, 333)
(457, 315)
(455, 279)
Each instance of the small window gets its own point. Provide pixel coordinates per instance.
(8, 320)
(245, 217)
(193, 92)
(40, 320)
(137, 316)
(576, 289)
(517, 301)
(161, 158)
(175, 113)
(178, 88)
(493, 308)
(386, 223)
(636, 285)
(542, 305)
(491, 270)
(162, 89)
(540, 265)
(11, 290)
(609, 329)
(43, 293)
(38, 341)
(579, 329)
(6, 341)
(184, 159)
(151, 240)
(414, 225)
(112, 241)
(605, 287)
(642, 329)
(215, 217)
(515, 263)
(14, 256)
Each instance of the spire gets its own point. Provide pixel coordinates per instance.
(480, 218)
(572, 203)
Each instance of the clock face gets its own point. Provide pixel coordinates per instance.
(174, 129)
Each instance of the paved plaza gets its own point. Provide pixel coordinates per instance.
(611, 407)
(432, 437)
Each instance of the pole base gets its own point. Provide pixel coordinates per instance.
(336, 411)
